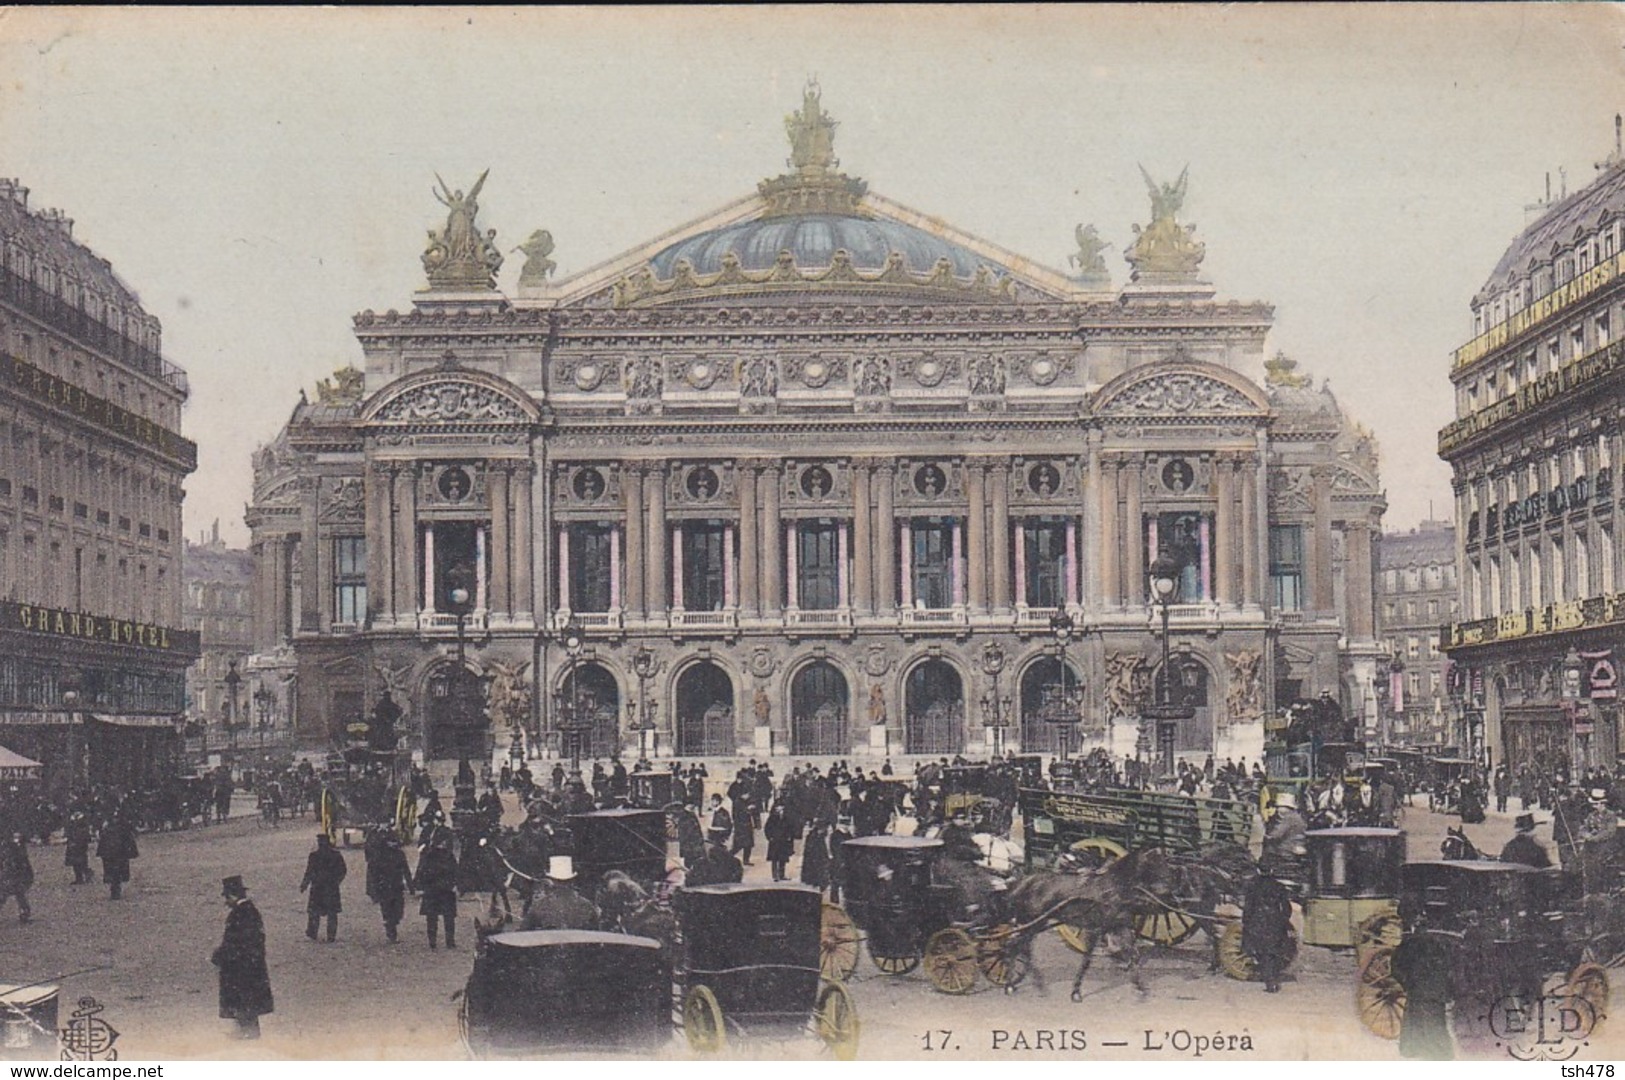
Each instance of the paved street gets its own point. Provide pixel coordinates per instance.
(363, 998)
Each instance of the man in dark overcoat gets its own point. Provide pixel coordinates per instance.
(245, 984)
(1421, 964)
(1266, 927)
(77, 854)
(389, 879)
(437, 881)
(1523, 847)
(324, 870)
(116, 848)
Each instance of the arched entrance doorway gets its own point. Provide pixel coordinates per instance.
(705, 712)
(457, 725)
(1045, 698)
(591, 691)
(819, 704)
(934, 709)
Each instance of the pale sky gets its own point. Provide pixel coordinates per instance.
(261, 176)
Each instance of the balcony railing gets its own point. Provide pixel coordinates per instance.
(704, 620)
(60, 315)
(822, 618)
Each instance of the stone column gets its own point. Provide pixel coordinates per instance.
(524, 593)
(843, 586)
(430, 592)
(730, 582)
(1259, 553)
(375, 507)
(976, 534)
(771, 546)
(1224, 549)
(1094, 538)
(406, 541)
(565, 600)
(1110, 552)
(1021, 565)
(750, 583)
(496, 486)
(677, 568)
(885, 540)
(792, 568)
(956, 563)
(1358, 585)
(310, 597)
(906, 576)
(280, 623)
(1322, 579)
(632, 493)
(863, 541)
(999, 525)
(1248, 548)
(654, 539)
(1134, 589)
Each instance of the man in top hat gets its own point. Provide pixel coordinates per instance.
(115, 848)
(1523, 847)
(245, 984)
(389, 879)
(1266, 927)
(16, 874)
(437, 881)
(323, 871)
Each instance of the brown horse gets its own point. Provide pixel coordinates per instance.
(1114, 901)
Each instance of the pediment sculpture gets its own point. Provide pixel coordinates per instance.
(452, 401)
(1181, 393)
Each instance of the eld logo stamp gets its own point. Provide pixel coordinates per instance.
(87, 1037)
(1552, 1027)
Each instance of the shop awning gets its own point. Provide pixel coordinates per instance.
(145, 720)
(13, 766)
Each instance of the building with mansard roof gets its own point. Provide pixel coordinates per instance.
(817, 475)
(93, 654)
(1537, 648)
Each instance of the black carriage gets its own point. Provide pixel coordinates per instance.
(891, 894)
(627, 839)
(565, 991)
(651, 790)
(1524, 925)
(753, 966)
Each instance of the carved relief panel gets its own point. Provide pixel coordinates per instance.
(451, 485)
(702, 486)
(586, 485)
(1178, 476)
(929, 485)
(817, 484)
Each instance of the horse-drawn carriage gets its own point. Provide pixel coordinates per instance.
(749, 967)
(1521, 932)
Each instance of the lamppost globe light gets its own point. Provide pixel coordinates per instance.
(1164, 575)
(459, 596)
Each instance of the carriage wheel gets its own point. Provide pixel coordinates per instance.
(1379, 996)
(1168, 927)
(1589, 983)
(950, 961)
(1232, 957)
(1099, 851)
(838, 944)
(894, 965)
(1002, 956)
(462, 1026)
(1381, 931)
(837, 1021)
(702, 1021)
(1236, 961)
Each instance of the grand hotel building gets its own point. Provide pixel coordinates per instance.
(815, 475)
(92, 657)
(1535, 451)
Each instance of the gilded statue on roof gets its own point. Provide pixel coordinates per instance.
(1165, 248)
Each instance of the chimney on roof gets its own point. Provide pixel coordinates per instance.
(13, 189)
(214, 534)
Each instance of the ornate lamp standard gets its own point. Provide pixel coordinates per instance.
(233, 682)
(642, 714)
(1163, 575)
(1064, 713)
(1573, 675)
(263, 701)
(995, 709)
(571, 723)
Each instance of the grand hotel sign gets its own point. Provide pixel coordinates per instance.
(82, 626)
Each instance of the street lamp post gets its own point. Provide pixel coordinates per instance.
(644, 666)
(1573, 674)
(233, 683)
(571, 723)
(1065, 712)
(461, 600)
(263, 700)
(1164, 580)
(995, 709)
